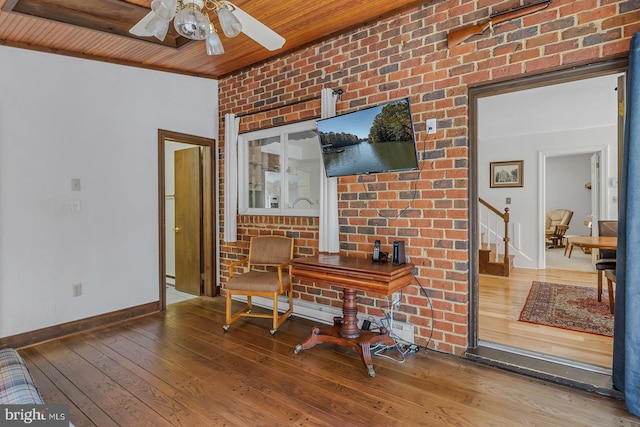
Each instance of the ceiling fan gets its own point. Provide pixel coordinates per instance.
(191, 20)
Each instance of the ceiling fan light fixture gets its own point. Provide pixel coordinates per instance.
(158, 27)
(191, 22)
(165, 9)
(230, 25)
(213, 43)
(191, 19)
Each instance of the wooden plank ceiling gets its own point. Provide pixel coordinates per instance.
(99, 29)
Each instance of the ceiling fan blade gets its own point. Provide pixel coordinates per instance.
(139, 30)
(257, 31)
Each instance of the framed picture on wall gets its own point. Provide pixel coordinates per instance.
(507, 174)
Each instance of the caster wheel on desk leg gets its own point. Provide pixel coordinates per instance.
(273, 331)
(225, 328)
(297, 349)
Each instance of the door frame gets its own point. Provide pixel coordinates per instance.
(543, 155)
(475, 93)
(209, 209)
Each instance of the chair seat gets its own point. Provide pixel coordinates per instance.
(257, 281)
(606, 264)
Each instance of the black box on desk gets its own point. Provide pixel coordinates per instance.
(398, 253)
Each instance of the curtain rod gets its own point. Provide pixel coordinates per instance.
(301, 101)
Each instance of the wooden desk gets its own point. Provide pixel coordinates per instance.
(353, 274)
(591, 242)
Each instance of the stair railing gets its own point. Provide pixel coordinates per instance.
(493, 232)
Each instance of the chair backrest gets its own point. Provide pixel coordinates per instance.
(607, 228)
(558, 217)
(270, 250)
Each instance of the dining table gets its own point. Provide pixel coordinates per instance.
(590, 242)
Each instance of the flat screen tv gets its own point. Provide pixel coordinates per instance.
(372, 140)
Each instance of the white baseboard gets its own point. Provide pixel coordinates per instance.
(324, 314)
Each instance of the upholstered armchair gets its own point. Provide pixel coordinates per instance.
(556, 225)
(264, 273)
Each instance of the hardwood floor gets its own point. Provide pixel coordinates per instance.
(501, 300)
(180, 368)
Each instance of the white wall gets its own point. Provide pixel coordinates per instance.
(64, 118)
(541, 123)
(525, 219)
(566, 177)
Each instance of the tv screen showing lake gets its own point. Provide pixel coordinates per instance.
(370, 140)
(369, 158)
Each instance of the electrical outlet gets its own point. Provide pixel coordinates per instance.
(432, 126)
(400, 330)
(396, 297)
(77, 289)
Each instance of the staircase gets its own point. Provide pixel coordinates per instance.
(494, 257)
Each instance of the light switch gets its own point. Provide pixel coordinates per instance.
(508, 200)
(75, 184)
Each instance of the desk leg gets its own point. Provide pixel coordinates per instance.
(346, 333)
(349, 327)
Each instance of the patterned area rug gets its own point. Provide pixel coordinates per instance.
(568, 307)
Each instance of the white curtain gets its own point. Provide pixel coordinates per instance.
(329, 240)
(231, 127)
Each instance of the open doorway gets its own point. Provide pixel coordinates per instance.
(544, 122)
(186, 172)
(582, 172)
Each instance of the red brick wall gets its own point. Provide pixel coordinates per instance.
(407, 55)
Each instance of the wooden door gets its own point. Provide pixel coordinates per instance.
(188, 220)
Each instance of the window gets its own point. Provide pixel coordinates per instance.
(279, 171)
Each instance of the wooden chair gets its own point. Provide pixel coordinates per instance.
(556, 225)
(611, 279)
(266, 273)
(606, 258)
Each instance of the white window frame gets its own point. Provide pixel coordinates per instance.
(243, 170)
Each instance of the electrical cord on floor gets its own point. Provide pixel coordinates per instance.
(384, 348)
(403, 347)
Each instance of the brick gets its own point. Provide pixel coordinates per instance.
(564, 46)
(598, 39)
(406, 55)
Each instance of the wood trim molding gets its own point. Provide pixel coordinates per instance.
(576, 72)
(57, 331)
(210, 196)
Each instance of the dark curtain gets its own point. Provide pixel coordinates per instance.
(626, 336)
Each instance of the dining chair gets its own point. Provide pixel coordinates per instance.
(611, 279)
(606, 257)
(266, 272)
